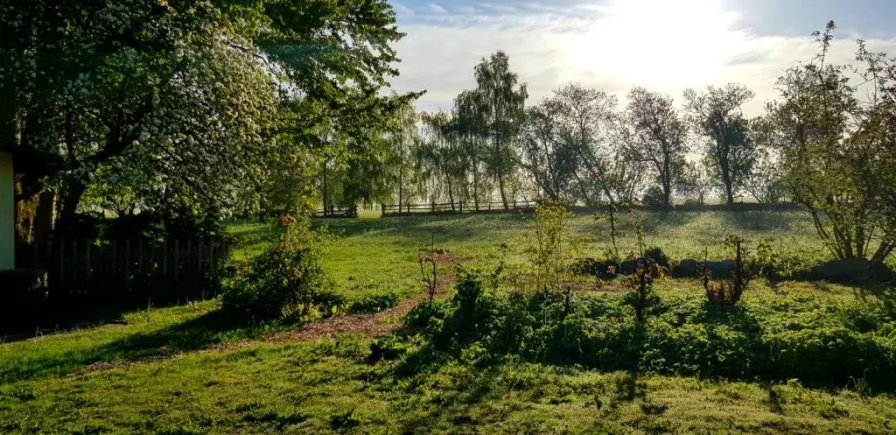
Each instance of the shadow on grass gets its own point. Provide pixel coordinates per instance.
(452, 227)
(199, 333)
(760, 221)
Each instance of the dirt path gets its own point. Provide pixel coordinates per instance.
(366, 325)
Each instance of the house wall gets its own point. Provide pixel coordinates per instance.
(7, 213)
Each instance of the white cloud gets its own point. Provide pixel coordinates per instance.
(664, 46)
(437, 9)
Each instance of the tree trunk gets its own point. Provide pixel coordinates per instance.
(450, 192)
(324, 190)
(25, 210)
(43, 219)
(400, 189)
(72, 199)
(476, 185)
(503, 195)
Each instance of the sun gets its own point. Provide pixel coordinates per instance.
(659, 41)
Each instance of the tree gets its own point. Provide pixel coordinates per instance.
(717, 115)
(185, 92)
(657, 136)
(470, 122)
(837, 153)
(444, 156)
(694, 183)
(567, 147)
(504, 103)
(764, 182)
(406, 141)
(546, 157)
(93, 81)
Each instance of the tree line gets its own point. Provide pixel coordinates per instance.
(203, 110)
(826, 142)
(577, 145)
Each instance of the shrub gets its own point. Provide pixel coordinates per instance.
(642, 295)
(788, 337)
(550, 255)
(729, 292)
(374, 302)
(283, 281)
(657, 256)
(653, 197)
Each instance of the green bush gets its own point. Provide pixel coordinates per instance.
(657, 256)
(374, 302)
(817, 342)
(282, 282)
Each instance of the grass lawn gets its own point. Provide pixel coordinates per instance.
(381, 254)
(178, 371)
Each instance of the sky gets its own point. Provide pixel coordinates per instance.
(614, 45)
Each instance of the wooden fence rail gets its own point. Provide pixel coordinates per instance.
(457, 207)
(529, 206)
(336, 212)
(86, 267)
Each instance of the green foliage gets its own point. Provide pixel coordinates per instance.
(656, 255)
(718, 116)
(836, 150)
(653, 197)
(282, 282)
(730, 292)
(814, 341)
(553, 248)
(657, 136)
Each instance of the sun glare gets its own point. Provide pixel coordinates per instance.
(659, 42)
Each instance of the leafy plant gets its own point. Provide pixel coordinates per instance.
(430, 261)
(729, 292)
(642, 295)
(551, 255)
(283, 281)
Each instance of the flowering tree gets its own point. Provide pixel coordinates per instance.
(836, 151)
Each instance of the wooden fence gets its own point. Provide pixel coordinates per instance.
(336, 212)
(176, 268)
(456, 208)
(529, 206)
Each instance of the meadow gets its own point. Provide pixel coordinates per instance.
(180, 370)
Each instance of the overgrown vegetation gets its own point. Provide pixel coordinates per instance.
(770, 338)
(283, 282)
(729, 292)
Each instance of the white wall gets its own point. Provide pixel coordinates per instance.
(7, 213)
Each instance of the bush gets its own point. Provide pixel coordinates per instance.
(283, 281)
(820, 343)
(729, 292)
(653, 197)
(657, 256)
(374, 302)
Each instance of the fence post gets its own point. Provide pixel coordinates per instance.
(127, 262)
(176, 260)
(382, 209)
(114, 263)
(199, 264)
(88, 264)
(61, 262)
(73, 263)
(140, 258)
(461, 207)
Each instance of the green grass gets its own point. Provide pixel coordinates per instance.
(332, 387)
(381, 254)
(162, 372)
